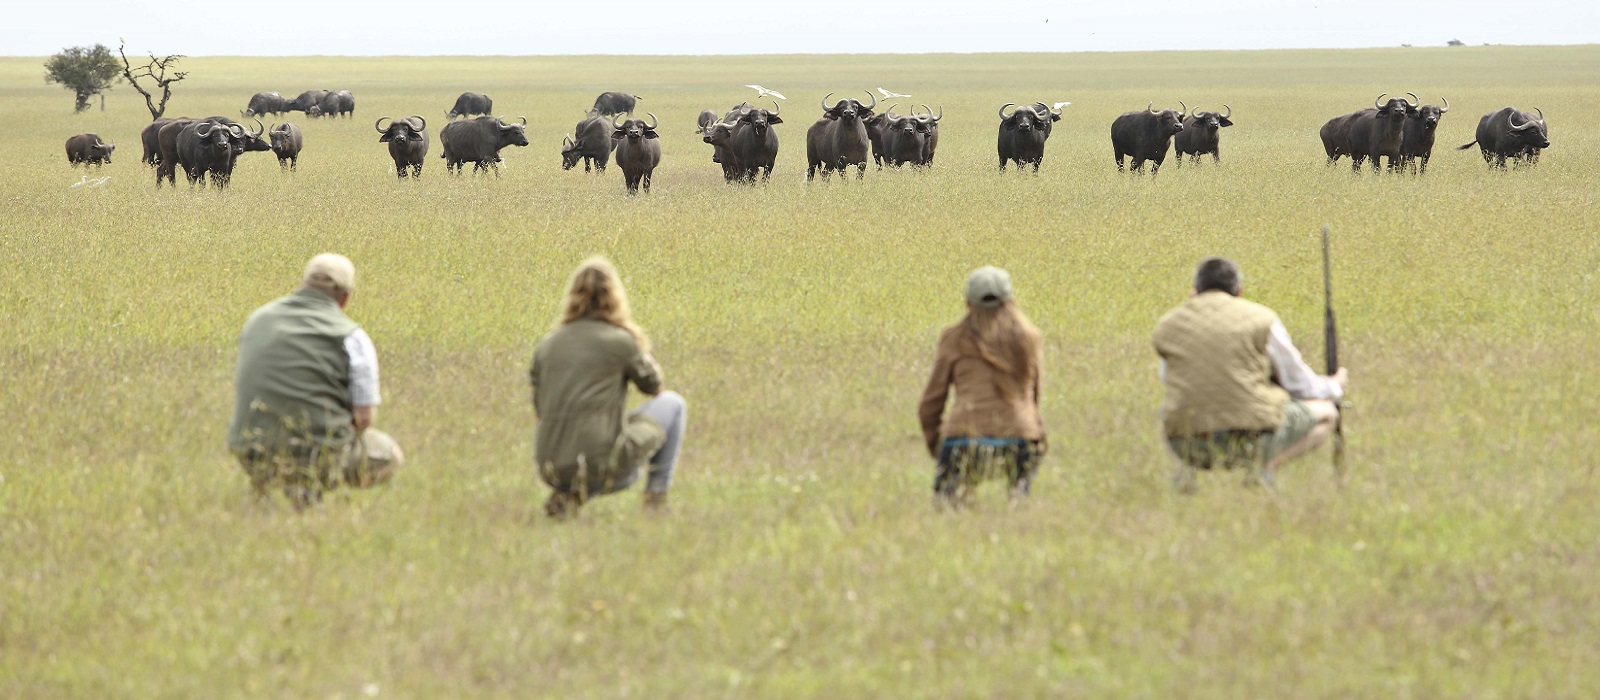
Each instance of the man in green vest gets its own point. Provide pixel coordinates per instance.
(307, 392)
(1238, 394)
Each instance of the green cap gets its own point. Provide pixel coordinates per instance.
(988, 287)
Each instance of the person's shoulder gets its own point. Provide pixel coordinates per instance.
(1256, 308)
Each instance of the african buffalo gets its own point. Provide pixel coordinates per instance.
(333, 104)
(1376, 132)
(148, 138)
(212, 146)
(905, 139)
(1145, 135)
(286, 143)
(875, 128)
(755, 142)
(839, 139)
(87, 149)
(638, 151)
(1511, 133)
(591, 143)
(478, 141)
(265, 103)
(408, 142)
(167, 145)
(1022, 134)
(707, 118)
(930, 123)
(1416, 140)
(469, 104)
(1199, 135)
(305, 101)
(610, 104)
(720, 136)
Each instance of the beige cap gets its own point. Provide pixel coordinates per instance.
(331, 270)
(988, 287)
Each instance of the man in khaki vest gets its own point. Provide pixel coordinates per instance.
(307, 392)
(1238, 394)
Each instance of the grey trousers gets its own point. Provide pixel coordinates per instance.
(652, 436)
(671, 412)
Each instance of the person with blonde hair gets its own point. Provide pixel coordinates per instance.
(992, 359)
(587, 443)
(306, 392)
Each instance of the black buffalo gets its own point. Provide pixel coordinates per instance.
(720, 136)
(265, 103)
(875, 127)
(591, 143)
(167, 146)
(305, 101)
(212, 147)
(839, 139)
(930, 123)
(408, 142)
(1200, 135)
(469, 104)
(638, 151)
(1146, 135)
(1022, 134)
(87, 149)
(478, 141)
(1377, 133)
(149, 139)
(286, 144)
(1511, 133)
(706, 119)
(755, 143)
(1416, 140)
(333, 104)
(610, 104)
(904, 139)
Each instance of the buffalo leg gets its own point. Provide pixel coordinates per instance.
(1002, 164)
(1216, 157)
(1036, 166)
(861, 171)
(1422, 165)
(646, 183)
(1119, 162)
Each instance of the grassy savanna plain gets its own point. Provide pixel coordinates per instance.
(802, 557)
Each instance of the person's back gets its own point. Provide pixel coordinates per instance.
(580, 374)
(292, 378)
(1218, 373)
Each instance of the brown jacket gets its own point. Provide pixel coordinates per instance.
(978, 410)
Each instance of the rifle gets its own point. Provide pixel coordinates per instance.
(1330, 344)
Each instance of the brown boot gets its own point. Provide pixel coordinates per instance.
(562, 505)
(655, 502)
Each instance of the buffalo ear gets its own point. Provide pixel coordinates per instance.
(1224, 121)
(1009, 125)
(774, 120)
(384, 137)
(831, 113)
(617, 134)
(649, 134)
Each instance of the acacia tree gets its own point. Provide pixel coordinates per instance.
(156, 71)
(85, 70)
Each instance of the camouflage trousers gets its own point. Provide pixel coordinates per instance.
(304, 471)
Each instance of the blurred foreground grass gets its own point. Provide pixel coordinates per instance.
(802, 558)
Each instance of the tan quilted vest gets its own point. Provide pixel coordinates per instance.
(1219, 376)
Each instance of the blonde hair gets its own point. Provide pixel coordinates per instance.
(596, 292)
(1009, 342)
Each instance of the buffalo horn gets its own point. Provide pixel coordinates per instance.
(1230, 111)
(825, 106)
(930, 112)
(890, 111)
(653, 121)
(566, 141)
(1185, 111)
(208, 128)
(99, 144)
(1378, 103)
(259, 129)
(376, 124)
(1151, 108)
(524, 120)
(1043, 110)
(1003, 107)
(421, 125)
(237, 130)
(874, 100)
(1512, 120)
(1541, 115)
(1446, 106)
(614, 124)
(775, 108)
(1414, 100)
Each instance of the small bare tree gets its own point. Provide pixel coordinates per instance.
(155, 70)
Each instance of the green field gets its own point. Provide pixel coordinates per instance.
(803, 557)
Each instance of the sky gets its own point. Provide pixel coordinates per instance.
(699, 27)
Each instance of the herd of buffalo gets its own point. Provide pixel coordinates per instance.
(745, 144)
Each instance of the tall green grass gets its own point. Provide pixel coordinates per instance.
(803, 557)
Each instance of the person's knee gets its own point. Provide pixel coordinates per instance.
(673, 400)
(1322, 410)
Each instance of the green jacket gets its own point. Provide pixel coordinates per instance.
(580, 380)
(292, 386)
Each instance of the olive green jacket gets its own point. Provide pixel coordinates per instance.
(292, 386)
(580, 376)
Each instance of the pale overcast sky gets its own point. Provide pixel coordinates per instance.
(476, 27)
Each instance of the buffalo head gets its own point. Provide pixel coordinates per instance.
(1020, 119)
(571, 152)
(513, 133)
(1171, 119)
(1430, 114)
(848, 109)
(760, 119)
(401, 130)
(1396, 107)
(1531, 133)
(634, 129)
(1211, 121)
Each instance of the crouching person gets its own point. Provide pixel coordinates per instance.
(1238, 393)
(992, 360)
(306, 393)
(587, 443)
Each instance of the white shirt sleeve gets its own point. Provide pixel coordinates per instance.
(363, 369)
(1293, 374)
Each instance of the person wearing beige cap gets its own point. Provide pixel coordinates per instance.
(1238, 394)
(306, 392)
(993, 361)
